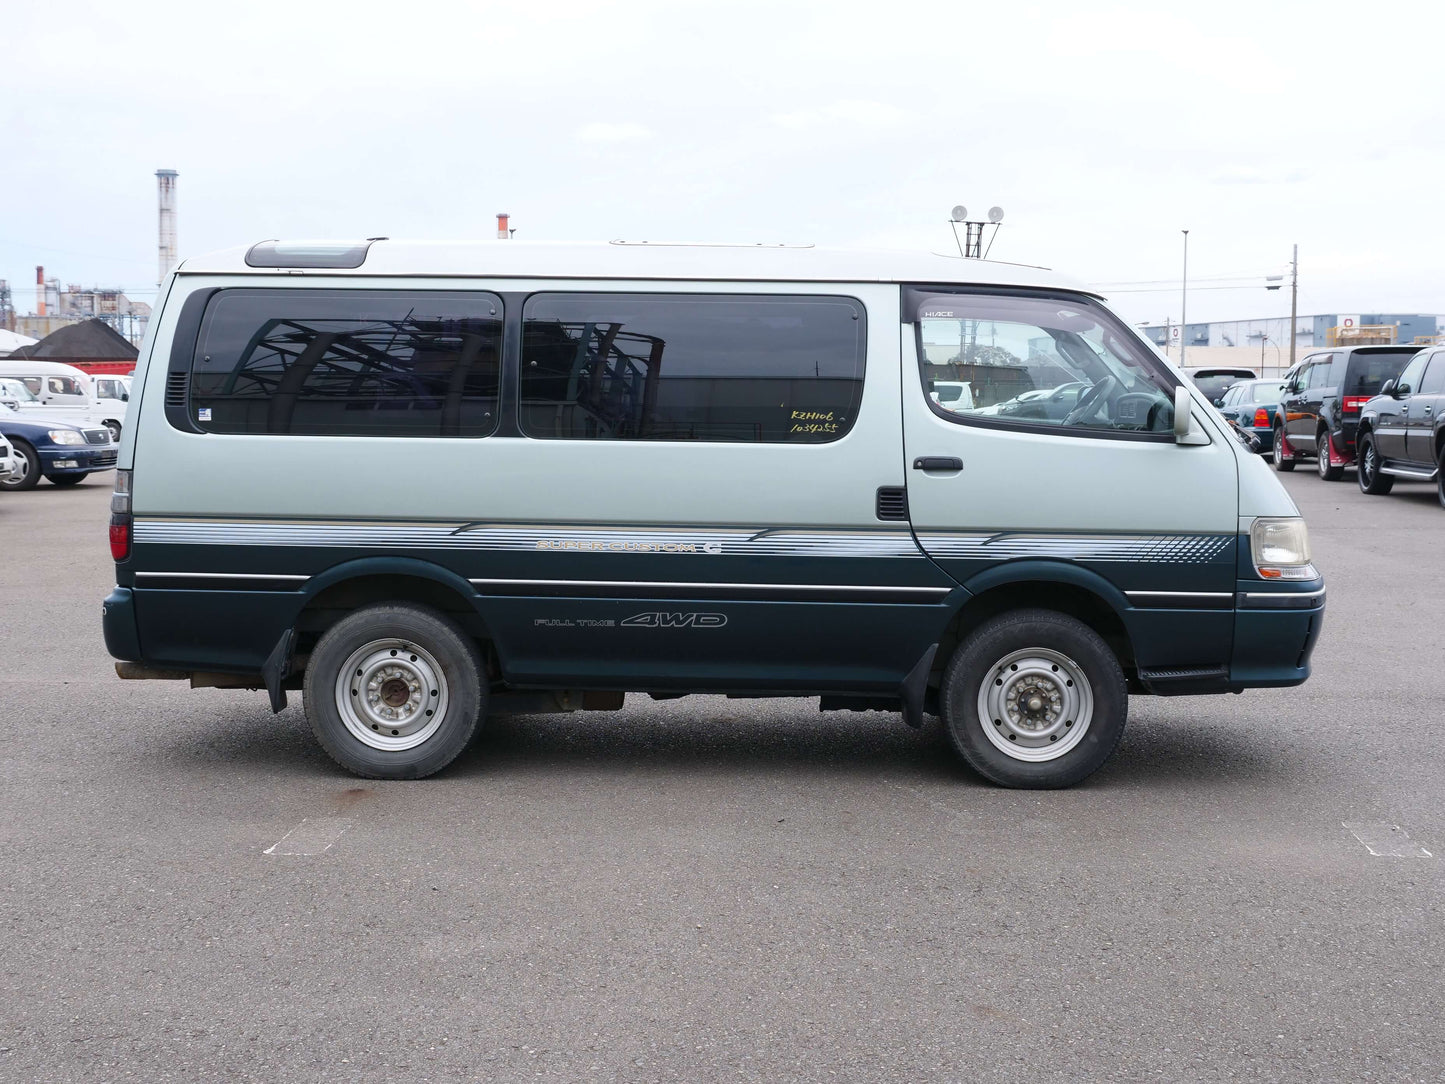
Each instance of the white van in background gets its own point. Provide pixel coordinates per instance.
(422, 482)
(56, 385)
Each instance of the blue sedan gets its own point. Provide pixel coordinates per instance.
(51, 449)
(1251, 405)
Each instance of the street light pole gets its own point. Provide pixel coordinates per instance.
(1184, 303)
(1293, 301)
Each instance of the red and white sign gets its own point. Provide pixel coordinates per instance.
(1348, 322)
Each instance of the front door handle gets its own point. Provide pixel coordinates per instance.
(938, 462)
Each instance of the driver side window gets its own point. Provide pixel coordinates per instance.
(1039, 362)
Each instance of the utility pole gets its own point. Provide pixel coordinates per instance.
(1184, 303)
(1293, 301)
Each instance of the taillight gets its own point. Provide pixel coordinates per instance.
(1353, 403)
(1261, 418)
(120, 517)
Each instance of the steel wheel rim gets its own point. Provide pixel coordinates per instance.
(1035, 704)
(391, 695)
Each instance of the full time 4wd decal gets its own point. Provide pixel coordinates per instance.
(666, 620)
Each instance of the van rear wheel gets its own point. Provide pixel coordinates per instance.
(1034, 699)
(1330, 471)
(394, 691)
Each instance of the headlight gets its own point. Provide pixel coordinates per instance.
(66, 436)
(1281, 549)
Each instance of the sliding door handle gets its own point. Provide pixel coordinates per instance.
(938, 462)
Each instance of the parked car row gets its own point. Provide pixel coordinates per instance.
(1380, 408)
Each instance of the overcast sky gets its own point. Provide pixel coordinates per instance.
(1101, 130)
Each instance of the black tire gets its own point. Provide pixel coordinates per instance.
(1329, 472)
(66, 479)
(29, 476)
(399, 650)
(1282, 461)
(1035, 639)
(114, 428)
(1371, 478)
(1440, 477)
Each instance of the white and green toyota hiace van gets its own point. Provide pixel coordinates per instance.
(420, 482)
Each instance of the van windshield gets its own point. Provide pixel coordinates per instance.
(1039, 360)
(15, 389)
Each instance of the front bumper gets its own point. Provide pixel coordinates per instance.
(75, 458)
(1275, 631)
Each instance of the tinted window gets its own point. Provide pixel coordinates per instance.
(354, 363)
(1433, 382)
(1368, 371)
(1319, 374)
(1215, 386)
(691, 367)
(1041, 362)
(1410, 378)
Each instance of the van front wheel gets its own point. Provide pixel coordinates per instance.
(1034, 698)
(394, 692)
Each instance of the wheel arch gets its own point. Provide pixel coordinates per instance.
(369, 581)
(1048, 585)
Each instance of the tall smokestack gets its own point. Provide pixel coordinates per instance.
(503, 232)
(166, 189)
(39, 290)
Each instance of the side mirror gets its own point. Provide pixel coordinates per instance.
(1387, 388)
(1182, 417)
(1219, 402)
(125, 397)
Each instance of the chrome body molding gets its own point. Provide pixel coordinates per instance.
(527, 538)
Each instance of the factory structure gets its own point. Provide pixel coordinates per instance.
(59, 306)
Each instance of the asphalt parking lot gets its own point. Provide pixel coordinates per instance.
(709, 889)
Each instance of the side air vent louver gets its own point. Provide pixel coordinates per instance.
(176, 389)
(892, 503)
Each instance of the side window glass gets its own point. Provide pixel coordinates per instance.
(1409, 381)
(1433, 382)
(1038, 361)
(355, 363)
(694, 367)
(1320, 374)
(33, 383)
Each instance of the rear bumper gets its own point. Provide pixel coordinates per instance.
(118, 623)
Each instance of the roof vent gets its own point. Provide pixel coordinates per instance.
(309, 253)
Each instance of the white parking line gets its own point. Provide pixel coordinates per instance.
(1386, 840)
(311, 836)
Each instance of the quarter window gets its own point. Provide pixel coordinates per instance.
(1063, 364)
(354, 363)
(691, 367)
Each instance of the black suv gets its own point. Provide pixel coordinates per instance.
(1321, 403)
(1402, 430)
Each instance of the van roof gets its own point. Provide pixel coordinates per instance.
(634, 260)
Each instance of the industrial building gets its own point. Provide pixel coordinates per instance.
(1269, 337)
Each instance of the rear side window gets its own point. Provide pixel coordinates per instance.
(1319, 374)
(1367, 372)
(704, 367)
(355, 363)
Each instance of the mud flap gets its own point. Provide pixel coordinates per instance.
(915, 687)
(277, 668)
